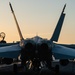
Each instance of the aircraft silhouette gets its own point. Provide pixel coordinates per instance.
(38, 49)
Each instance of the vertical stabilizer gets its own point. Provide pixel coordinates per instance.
(57, 30)
(20, 34)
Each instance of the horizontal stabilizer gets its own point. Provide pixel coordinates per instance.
(61, 52)
(12, 51)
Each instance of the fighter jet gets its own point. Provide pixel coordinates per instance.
(38, 49)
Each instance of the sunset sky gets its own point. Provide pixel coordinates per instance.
(37, 17)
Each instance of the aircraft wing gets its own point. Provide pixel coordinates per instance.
(62, 52)
(68, 45)
(10, 51)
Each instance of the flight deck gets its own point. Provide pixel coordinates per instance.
(63, 70)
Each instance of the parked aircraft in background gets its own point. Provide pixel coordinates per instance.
(38, 49)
